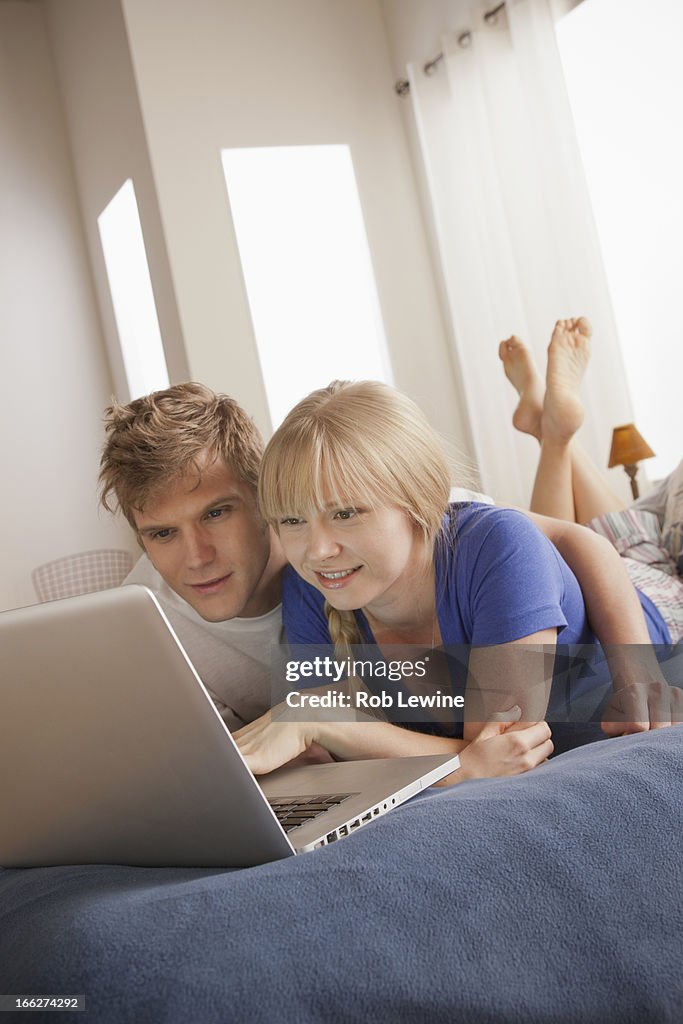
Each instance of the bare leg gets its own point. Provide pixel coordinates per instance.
(568, 355)
(552, 494)
(592, 494)
(567, 485)
(521, 371)
(562, 415)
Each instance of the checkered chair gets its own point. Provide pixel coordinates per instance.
(81, 574)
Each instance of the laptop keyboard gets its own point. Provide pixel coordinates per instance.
(293, 811)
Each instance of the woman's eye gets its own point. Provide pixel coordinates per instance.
(216, 513)
(346, 513)
(290, 521)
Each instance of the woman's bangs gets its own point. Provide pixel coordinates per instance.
(289, 481)
(316, 473)
(348, 477)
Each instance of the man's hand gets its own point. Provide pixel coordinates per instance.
(266, 744)
(639, 707)
(315, 754)
(278, 738)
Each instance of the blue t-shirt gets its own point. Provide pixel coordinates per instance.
(497, 579)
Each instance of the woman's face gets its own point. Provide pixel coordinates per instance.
(356, 557)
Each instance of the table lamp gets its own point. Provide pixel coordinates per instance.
(628, 449)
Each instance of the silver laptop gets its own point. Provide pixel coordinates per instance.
(111, 751)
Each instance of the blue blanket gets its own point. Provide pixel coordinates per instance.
(554, 896)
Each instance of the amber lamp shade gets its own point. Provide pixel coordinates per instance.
(628, 449)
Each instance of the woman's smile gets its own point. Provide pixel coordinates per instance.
(334, 579)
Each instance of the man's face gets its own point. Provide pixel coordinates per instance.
(206, 539)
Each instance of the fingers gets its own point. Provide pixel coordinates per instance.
(490, 729)
(505, 749)
(315, 754)
(266, 745)
(676, 704)
(614, 726)
(499, 722)
(513, 714)
(534, 735)
(543, 751)
(530, 746)
(627, 712)
(659, 704)
(639, 708)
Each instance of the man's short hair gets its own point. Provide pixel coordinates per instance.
(155, 440)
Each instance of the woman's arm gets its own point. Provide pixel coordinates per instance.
(515, 674)
(612, 603)
(500, 748)
(496, 743)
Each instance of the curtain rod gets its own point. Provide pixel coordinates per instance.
(402, 86)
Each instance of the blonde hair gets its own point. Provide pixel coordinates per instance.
(356, 443)
(154, 440)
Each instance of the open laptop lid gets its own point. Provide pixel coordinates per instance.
(111, 750)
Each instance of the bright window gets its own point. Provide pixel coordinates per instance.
(131, 293)
(307, 269)
(625, 81)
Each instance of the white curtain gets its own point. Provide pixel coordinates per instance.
(513, 224)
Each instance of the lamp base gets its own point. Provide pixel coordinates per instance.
(632, 471)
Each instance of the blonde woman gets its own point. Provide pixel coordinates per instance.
(356, 484)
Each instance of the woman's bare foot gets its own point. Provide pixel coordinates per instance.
(521, 371)
(568, 355)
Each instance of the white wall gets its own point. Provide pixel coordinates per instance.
(54, 379)
(108, 145)
(230, 73)
(95, 91)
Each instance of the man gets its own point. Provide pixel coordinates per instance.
(182, 465)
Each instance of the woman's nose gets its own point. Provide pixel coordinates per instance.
(322, 543)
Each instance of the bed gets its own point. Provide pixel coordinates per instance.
(553, 896)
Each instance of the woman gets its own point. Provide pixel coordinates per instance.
(355, 482)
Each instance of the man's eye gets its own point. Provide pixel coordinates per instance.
(162, 534)
(219, 513)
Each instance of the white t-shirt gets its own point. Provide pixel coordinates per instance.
(232, 658)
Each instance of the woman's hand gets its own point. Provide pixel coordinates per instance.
(504, 748)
